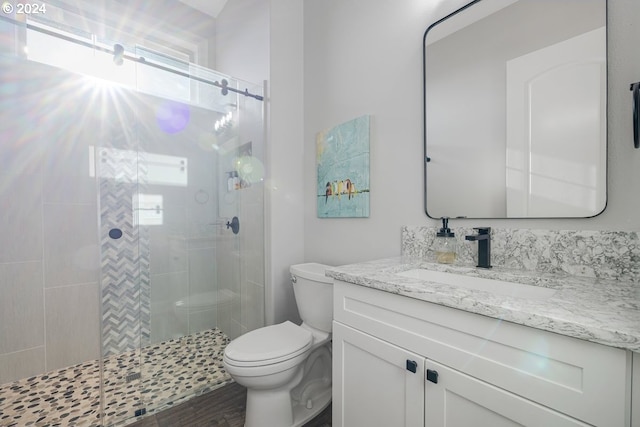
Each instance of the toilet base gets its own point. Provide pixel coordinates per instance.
(272, 407)
(276, 409)
(302, 414)
(299, 400)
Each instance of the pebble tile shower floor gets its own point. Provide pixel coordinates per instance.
(171, 372)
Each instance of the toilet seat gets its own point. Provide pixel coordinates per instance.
(268, 345)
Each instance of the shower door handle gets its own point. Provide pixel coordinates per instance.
(234, 225)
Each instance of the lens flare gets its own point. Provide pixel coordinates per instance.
(172, 117)
(250, 169)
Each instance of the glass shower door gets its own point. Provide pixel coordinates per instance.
(124, 256)
(241, 194)
(182, 238)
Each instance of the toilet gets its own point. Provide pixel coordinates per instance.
(286, 368)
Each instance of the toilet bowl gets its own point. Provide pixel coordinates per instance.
(286, 368)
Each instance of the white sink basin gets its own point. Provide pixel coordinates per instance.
(497, 287)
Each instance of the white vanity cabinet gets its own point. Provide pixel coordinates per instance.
(460, 400)
(377, 387)
(470, 370)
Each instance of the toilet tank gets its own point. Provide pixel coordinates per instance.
(314, 294)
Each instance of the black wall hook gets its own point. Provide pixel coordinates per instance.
(635, 88)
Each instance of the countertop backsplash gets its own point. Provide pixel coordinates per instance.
(584, 253)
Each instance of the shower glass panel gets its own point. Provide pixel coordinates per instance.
(133, 199)
(181, 280)
(49, 258)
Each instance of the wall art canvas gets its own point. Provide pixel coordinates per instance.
(342, 156)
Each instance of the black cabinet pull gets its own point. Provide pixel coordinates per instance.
(412, 366)
(432, 376)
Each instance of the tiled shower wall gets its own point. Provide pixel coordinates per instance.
(48, 222)
(124, 260)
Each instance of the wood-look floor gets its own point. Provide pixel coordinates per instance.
(223, 407)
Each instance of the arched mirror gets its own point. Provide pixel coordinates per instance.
(515, 110)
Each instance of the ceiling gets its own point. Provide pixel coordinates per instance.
(210, 7)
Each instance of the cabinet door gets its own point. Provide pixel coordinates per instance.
(375, 384)
(458, 400)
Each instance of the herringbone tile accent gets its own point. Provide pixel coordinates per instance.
(124, 261)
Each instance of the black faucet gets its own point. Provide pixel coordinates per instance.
(484, 245)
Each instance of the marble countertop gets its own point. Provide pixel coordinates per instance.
(597, 310)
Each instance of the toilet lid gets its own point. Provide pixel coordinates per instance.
(271, 344)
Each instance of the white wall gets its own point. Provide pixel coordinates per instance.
(365, 57)
(286, 168)
(242, 40)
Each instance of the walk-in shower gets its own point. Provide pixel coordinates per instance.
(132, 226)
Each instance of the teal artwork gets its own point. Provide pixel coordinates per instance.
(342, 155)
